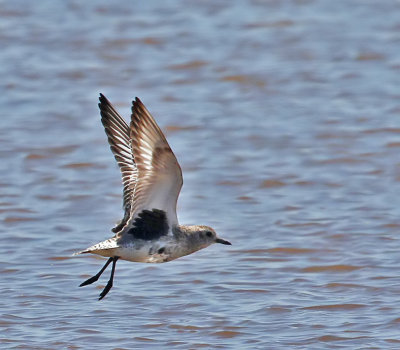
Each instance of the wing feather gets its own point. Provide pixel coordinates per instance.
(151, 175)
(118, 133)
(159, 174)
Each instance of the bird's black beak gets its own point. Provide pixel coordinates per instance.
(222, 241)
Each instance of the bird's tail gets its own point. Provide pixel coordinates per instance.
(81, 252)
(107, 244)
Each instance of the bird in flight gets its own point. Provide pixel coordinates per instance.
(152, 178)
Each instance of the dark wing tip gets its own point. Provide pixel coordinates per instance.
(103, 101)
(102, 98)
(107, 110)
(137, 104)
(140, 111)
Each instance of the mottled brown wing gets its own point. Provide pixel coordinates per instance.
(159, 174)
(118, 133)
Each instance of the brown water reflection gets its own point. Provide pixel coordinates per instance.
(285, 119)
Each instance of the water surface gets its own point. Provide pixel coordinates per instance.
(284, 116)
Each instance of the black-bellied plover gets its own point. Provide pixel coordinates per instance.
(149, 231)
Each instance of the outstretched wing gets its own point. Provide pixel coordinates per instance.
(159, 179)
(118, 133)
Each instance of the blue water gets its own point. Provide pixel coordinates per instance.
(284, 116)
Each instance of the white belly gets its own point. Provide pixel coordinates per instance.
(149, 252)
(160, 251)
(144, 254)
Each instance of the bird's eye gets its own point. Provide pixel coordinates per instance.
(209, 234)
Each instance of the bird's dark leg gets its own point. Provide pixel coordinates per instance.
(96, 276)
(110, 281)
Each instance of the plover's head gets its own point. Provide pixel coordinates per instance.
(207, 236)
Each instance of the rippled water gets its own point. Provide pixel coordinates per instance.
(284, 116)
